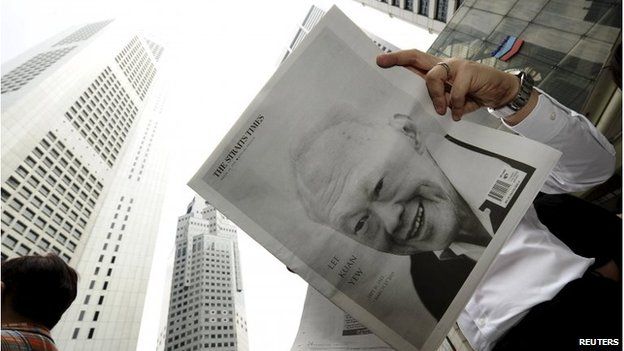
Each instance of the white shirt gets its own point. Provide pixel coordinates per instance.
(533, 265)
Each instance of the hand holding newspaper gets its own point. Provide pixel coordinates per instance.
(344, 172)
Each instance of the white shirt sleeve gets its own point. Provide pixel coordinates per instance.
(588, 158)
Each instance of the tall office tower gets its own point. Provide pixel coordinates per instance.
(312, 19)
(206, 309)
(164, 307)
(431, 15)
(83, 172)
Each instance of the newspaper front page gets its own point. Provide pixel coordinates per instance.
(325, 327)
(345, 173)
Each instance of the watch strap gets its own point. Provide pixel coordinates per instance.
(502, 112)
(524, 93)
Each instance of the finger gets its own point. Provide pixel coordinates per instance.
(435, 80)
(447, 95)
(459, 94)
(419, 60)
(471, 106)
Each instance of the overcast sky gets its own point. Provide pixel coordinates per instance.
(220, 54)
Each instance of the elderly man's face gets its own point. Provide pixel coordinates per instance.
(383, 190)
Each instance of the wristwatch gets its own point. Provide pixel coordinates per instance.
(526, 86)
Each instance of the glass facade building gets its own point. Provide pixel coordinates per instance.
(566, 43)
(571, 48)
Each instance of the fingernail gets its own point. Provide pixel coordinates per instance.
(457, 113)
(441, 110)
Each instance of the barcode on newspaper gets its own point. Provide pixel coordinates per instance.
(505, 186)
(499, 190)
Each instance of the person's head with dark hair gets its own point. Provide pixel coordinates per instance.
(37, 289)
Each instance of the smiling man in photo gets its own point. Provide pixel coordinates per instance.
(378, 184)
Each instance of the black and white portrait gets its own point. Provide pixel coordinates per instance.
(343, 172)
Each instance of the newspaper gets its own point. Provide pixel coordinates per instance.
(325, 327)
(345, 173)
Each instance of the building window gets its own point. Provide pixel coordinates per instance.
(81, 315)
(22, 171)
(9, 242)
(56, 250)
(25, 193)
(423, 7)
(75, 335)
(39, 222)
(91, 331)
(409, 5)
(28, 214)
(395, 3)
(19, 227)
(96, 315)
(37, 202)
(32, 236)
(16, 204)
(21, 75)
(7, 218)
(441, 9)
(44, 244)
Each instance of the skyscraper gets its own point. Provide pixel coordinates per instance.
(312, 19)
(431, 15)
(83, 172)
(206, 309)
